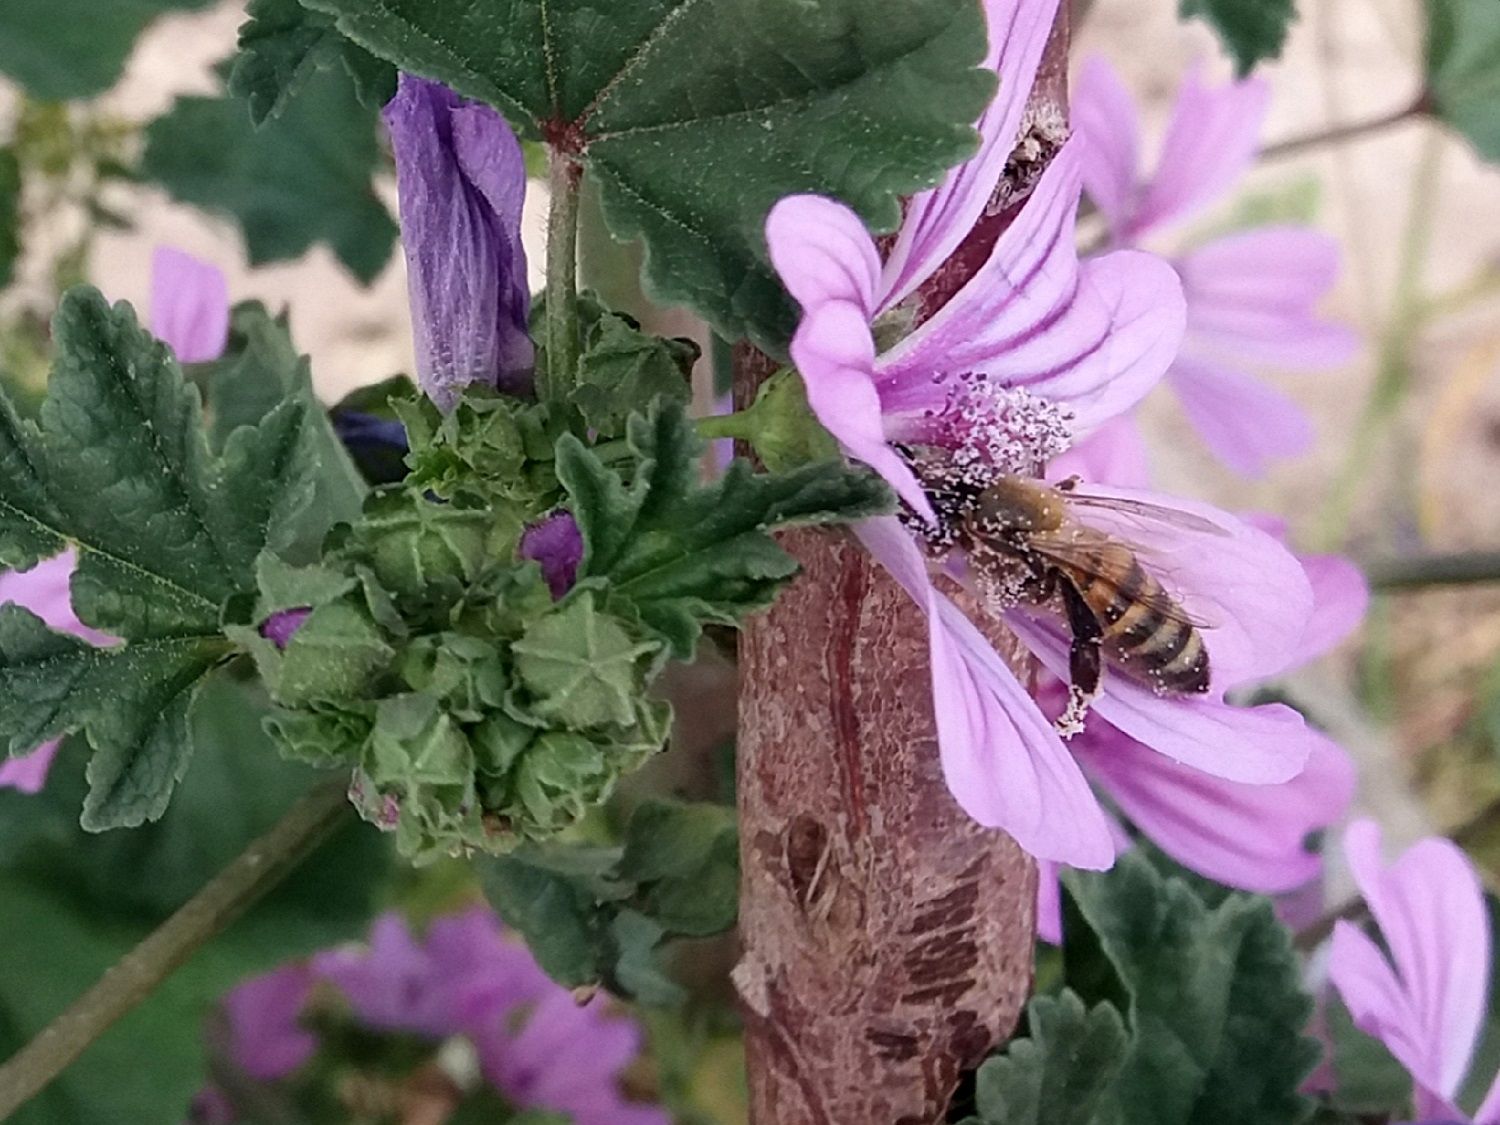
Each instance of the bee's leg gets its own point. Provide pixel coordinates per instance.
(1085, 659)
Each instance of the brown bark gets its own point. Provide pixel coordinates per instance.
(887, 938)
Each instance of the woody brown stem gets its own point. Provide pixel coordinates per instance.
(887, 938)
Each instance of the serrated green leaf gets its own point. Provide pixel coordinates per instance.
(1369, 1080)
(282, 43)
(685, 860)
(301, 180)
(694, 116)
(64, 49)
(1251, 30)
(10, 214)
(603, 915)
(582, 667)
(1463, 69)
(681, 553)
(166, 535)
(1216, 1006)
(623, 367)
(1062, 1073)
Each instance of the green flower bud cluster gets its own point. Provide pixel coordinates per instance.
(474, 710)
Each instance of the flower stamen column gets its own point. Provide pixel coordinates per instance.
(888, 939)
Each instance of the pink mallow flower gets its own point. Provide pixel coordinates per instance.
(190, 312)
(1424, 995)
(1252, 295)
(1035, 349)
(466, 977)
(1251, 837)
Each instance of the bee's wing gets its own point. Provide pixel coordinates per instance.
(1081, 549)
(1141, 509)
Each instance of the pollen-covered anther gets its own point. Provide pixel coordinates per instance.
(1007, 429)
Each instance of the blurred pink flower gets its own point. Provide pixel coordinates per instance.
(465, 977)
(1251, 296)
(1425, 994)
(190, 312)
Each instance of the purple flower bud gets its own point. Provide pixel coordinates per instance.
(279, 627)
(556, 543)
(461, 177)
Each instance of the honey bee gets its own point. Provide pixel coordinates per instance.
(1022, 537)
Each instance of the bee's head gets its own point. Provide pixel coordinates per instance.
(1019, 505)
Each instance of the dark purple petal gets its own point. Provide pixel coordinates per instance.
(266, 1040)
(461, 177)
(556, 543)
(280, 626)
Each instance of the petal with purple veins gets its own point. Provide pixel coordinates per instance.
(1104, 115)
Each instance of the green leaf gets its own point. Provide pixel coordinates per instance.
(694, 116)
(1463, 69)
(64, 49)
(681, 553)
(1251, 30)
(302, 180)
(259, 370)
(583, 668)
(282, 44)
(596, 915)
(1369, 1080)
(75, 902)
(166, 534)
(623, 367)
(10, 214)
(1216, 1008)
(1062, 1073)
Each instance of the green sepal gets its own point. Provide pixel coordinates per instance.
(681, 553)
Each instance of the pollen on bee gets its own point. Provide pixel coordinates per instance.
(1071, 721)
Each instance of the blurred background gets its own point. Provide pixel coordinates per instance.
(1407, 459)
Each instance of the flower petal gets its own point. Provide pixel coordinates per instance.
(1115, 453)
(1094, 338)
(1104, 114)
(1253, 296)
(1249, 589)
(1048, 902)
(1212, 138)
(459, 172)
(27, 773)
(266, 1038)
(829, 265)
(1430, 909)
(937, 221)
(1340, 598)
(1256, 745)
(1246, 423)
(189, 305)
(1247, 836)
(1004, 764)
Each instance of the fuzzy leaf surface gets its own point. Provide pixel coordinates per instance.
(166, 533)
(1215, 1003)
(683, 553)
(694, 116)
(282, 44)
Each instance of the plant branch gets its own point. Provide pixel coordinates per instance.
(1420, 571)
(1341, 134)
(560, 332)
(263, 864)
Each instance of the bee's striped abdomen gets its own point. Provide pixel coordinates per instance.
(1161, 648)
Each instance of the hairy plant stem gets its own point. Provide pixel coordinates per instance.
(1341, 134)
(263, 864)
(560, 331)
(1393, 366)
(888, 938)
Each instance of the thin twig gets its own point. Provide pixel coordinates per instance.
(1340, 134)
(263, 864)
(1420, 571)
